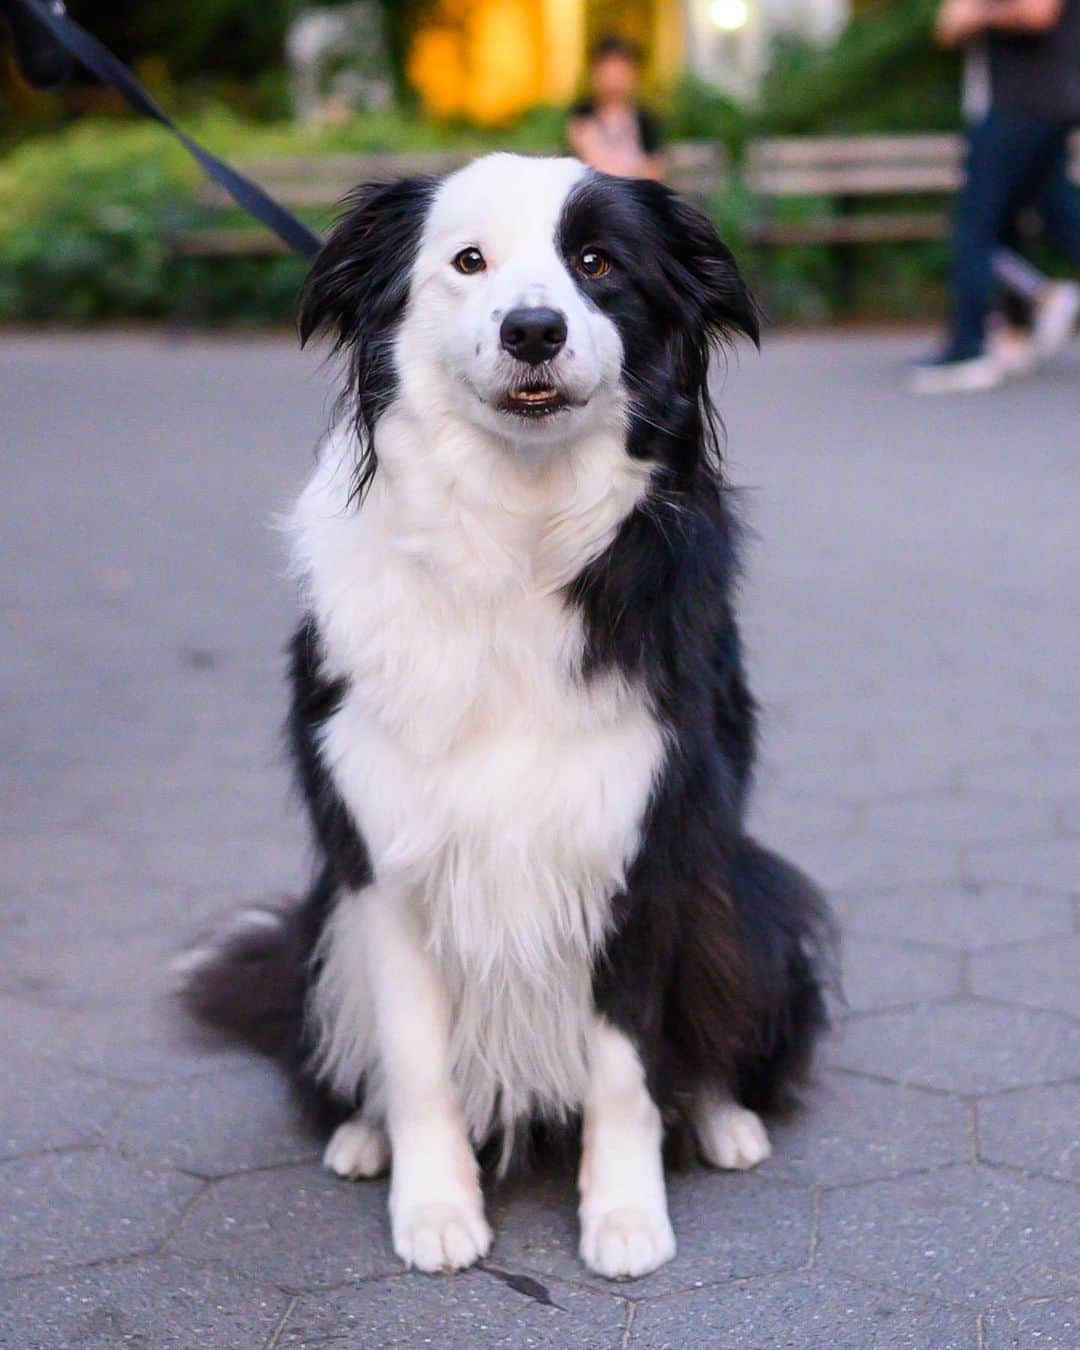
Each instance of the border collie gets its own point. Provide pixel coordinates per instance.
(520, 719)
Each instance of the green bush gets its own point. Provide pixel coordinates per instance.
(698, 112)
(86, 214)
(882, 74)
(81, 222)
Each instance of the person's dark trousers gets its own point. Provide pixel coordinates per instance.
(1057, 201)
(1012, 161)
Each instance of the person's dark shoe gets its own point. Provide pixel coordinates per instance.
(949, 374)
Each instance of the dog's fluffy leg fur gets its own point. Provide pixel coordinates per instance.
(625, 1229)
(436, 1209)
(728, 1134)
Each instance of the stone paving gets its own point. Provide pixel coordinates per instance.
(911, 619)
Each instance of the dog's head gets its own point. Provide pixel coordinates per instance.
(536, 301)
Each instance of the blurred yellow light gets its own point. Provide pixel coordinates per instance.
(481, 59)
(728, 15)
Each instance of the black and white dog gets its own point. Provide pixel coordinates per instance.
(520, 718)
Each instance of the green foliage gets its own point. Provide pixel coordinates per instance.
(698, 112)
(86, 214)
(882, 74)
(239, 39)
(902, 280)
(231, 52)
(81, 219)
(400, 18)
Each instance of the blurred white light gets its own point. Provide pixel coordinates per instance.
(728, 15)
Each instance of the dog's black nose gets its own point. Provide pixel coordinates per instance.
(533, 335)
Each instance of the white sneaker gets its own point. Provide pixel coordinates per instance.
(1056, 312)
(942, 376)
(1012, 348)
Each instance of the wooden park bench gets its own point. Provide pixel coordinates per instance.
(318, 183)
(864, 190)
(847, 191)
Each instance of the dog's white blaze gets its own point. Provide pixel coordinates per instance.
(449, 355)
(501, 796)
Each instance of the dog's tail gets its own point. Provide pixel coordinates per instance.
(791, 943)
(242, 980)
(248, 980)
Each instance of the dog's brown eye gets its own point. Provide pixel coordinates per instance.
(593, 262)
(469, 260)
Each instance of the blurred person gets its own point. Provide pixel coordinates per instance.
(611, 130)
(1022, 99)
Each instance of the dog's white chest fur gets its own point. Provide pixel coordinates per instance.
(501, 795)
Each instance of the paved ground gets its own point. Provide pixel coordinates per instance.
(911, 612)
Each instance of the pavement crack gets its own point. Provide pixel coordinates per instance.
(815, 1227)
(972, 1122)
(275, 1335)
(632, 1309)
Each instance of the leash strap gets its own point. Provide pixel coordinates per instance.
(101, 63)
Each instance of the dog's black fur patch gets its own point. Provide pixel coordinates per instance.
(715, 961)
(356, 292)
(314, 700)
(674, 293)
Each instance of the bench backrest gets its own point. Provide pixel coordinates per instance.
(857, 166)
(697, 168)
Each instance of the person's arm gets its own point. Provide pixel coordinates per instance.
(958, 21)
(580, 136)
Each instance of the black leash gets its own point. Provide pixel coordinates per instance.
(46, 63)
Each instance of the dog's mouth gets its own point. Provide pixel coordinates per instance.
(533, 401)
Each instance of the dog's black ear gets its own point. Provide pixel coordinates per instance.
(725, 302)
(706, 302)
(360, 277)
(356, 293)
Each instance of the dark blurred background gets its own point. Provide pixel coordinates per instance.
(102, 216)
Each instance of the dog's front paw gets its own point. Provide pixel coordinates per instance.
(732, 1137)
(623, 1243)
(357, 1150)
(440, 1236)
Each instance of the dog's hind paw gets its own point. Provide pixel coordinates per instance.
(729, 1135)
(357, 1150)
(441, 1236)
(625, 1243)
